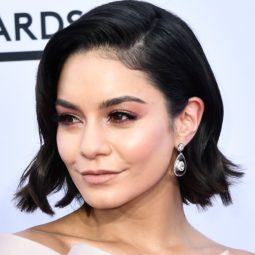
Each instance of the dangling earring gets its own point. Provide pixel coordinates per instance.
(180, 165)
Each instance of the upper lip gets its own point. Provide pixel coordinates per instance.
(101, 171)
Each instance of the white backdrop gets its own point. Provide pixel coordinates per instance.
(226, 30)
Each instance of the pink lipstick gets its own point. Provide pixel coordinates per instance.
(98, 176)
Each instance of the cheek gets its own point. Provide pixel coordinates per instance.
(148, 143)
(67, 144)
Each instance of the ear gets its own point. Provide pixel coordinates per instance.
(187, 122)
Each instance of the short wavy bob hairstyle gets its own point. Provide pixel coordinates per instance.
(146, 38)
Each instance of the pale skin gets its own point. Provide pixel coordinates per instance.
(140, 211)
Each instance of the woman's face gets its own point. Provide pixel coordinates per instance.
(133, 138)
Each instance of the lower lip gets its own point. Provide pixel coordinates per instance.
(98, 178)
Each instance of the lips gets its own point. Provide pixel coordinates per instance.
(99, 176)
(97, 172)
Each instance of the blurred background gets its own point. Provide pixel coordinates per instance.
(226, 32)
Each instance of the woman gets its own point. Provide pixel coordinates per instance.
(129, 116)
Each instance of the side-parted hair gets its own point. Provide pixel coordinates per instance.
(153, 40)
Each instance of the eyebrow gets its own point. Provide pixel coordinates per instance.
(104, 104)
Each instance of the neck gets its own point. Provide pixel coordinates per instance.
(155, 217)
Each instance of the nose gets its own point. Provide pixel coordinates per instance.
(94, 141)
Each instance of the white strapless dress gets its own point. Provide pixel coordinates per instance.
(11, 244)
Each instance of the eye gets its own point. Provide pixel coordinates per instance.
(120, 116)
(117, 116)
(64, 119)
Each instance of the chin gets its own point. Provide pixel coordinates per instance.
(105, 200)
(103, 205)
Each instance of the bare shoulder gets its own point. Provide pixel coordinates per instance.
(57, 234)
(241, 252)
(232, 251)
(212, 247)
(44, 234)
(224, 250)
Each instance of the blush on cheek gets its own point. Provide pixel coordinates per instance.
(144, 142)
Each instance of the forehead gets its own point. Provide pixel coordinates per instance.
(90, 75)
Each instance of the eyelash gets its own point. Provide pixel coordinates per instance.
(63, 118)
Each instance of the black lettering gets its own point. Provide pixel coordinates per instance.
(3, 31)
(73, 13)
(43, 23)
(24, 26)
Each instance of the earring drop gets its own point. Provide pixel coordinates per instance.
(180, 165)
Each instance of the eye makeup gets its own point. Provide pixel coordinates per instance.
(115, 116)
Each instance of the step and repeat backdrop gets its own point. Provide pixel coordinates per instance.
(226, 32)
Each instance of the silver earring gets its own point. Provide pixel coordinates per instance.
(180, 165)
